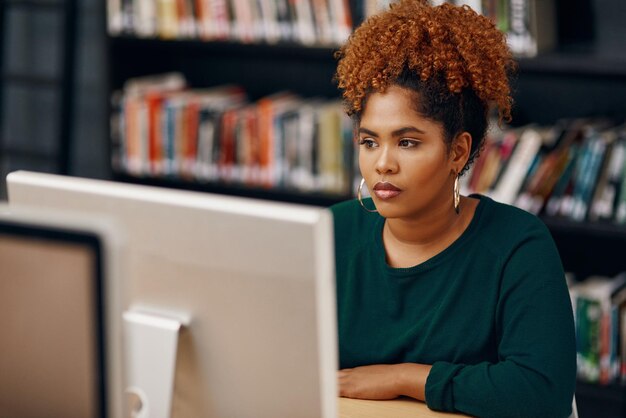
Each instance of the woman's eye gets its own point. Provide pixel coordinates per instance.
(368, 143)
(408, 143)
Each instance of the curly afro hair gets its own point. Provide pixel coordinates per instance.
(456, 60)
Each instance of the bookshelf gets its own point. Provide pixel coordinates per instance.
(31, 85)
(307, 71)
(585, 75)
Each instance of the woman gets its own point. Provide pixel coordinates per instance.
(458, 301)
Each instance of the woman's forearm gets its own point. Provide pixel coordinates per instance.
(412, 379)
(384, 381)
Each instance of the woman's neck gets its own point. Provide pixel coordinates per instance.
(410, 241)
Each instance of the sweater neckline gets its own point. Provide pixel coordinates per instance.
(437, 258)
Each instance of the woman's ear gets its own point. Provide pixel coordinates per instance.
(460, 151)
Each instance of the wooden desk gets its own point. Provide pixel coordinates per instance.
(397, 408)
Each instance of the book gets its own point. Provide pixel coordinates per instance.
(127, 16)
(208, 131)
(242, 29)
(509, 185)
(570, 146)
(331, 148)
(304, 23)
(618, 354)
(532, 26)
(491, 165)
(283, 17)
(587, 175)
(508, 142)
(620, 185)
(167, 19)
(323, 23)
(603, 198)
(341, 20)
(154, 102)
(160, 83)
(573, 202)
(115, 17)
(595, 327)
(475, 5)
(305, 173)
(269, 20)
(221, 13)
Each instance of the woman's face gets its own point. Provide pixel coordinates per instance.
(403, 157)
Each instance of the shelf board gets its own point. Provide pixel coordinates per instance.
(33, 80)
(281, 49)
(590, 229)
(576, 61)
(35, 4)
(595, 229)
(595, 400)
(572, 60)
(8, 152)
(281, 195)
(614, 393)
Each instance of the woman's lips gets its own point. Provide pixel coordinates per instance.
(385, 191)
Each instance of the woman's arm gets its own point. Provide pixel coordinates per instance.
(384, 381)
(534, 375)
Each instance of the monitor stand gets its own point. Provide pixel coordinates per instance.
(150, 344)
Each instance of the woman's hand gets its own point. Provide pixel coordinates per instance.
(384, 381)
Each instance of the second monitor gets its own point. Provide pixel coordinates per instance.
(255, 279)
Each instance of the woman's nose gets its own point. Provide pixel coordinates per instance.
(386, 162)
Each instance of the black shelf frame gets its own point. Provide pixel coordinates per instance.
(582, 62)
(235, 189)
(261, 69)
(589, 248)
(50, 5)
(594, 400)
(31, 80)
(68, 9)
(263, 49)
(27, 154)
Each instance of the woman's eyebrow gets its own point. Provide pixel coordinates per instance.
(367, 132)
(407, 129)
(397, 132)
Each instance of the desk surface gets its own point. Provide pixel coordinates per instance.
(397, 408)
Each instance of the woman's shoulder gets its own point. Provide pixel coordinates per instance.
(507, 221)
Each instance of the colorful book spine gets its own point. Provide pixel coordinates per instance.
(215, 135)
(309, 22)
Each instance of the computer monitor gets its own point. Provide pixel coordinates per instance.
(58, 356)
(254, 280)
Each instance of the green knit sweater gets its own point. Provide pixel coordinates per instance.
(491, 313)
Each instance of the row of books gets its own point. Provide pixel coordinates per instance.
(575, 170)
(162, 129)
(323, 22)
(600, 315)
(529, 24)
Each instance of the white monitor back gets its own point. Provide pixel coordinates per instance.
(255, 278)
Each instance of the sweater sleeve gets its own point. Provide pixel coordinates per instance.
(535, 375)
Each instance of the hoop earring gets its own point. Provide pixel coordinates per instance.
(359, 197)
(456, 194)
